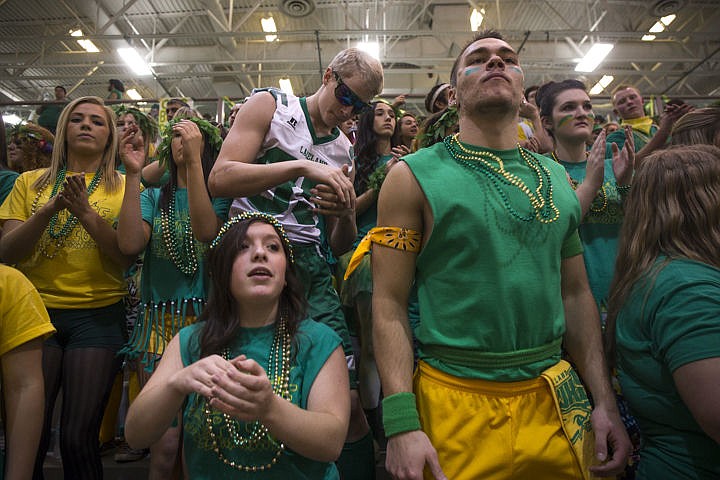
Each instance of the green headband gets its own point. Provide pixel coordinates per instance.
(148, 126)
(267, 218)
(210, 133)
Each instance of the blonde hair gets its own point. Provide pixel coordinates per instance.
(353, 62)
(110, 177)
(701, 126)
(673, 209)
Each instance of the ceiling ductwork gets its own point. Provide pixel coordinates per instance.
(297, 8)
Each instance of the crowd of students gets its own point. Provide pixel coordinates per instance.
(479, 257)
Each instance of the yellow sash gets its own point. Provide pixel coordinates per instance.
(395, 237)
(574, 411)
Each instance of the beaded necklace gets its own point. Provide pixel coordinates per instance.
(59, 236)
(182, 250)
(259, 437)
(541, 201)
(601, 198)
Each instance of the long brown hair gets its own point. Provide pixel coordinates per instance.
(673, 210)
(110, 177)
(701, 126)
(221, 313)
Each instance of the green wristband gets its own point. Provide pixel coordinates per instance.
(400, 414)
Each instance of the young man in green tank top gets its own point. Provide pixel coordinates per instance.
(501, 284)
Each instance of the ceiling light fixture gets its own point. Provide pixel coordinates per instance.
(286, 86)
(11, 119)
(648, 38)
(133, 93)
(594, 57)
(668, 19)
(657, 28)
(601, 84)
(372, 48)
(134, 61)
(268, 26)
(88, 45)
(476, 19)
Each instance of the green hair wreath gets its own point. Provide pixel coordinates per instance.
(148, 126)
(210, 133)
(436, 132)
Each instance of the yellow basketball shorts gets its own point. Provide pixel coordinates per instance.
(501, 430)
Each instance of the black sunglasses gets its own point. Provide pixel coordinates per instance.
(347, 97)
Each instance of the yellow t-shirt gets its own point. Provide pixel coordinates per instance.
(22, 314)
(78, 276)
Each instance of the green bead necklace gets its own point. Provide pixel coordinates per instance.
(259, 437)
(182, 250)
(541, 202)
(59, 236)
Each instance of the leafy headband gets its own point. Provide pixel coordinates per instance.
(210, 133)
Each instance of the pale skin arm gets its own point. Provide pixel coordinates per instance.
(24, 392)
(401, 204)
(152, 173)
(543, 143)
(699, 386)
(19, 237)
(339, 220)
(159, 402)
(317, 433)
(205, 222)
(594, 174)
(235, 174)
(584, 345)
(670, 115)
(133, 233)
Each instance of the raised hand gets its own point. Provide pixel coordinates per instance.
(595, 169)
(74, 195)
(132, 150)
(192, 140)
(335, 178)
(623, 161)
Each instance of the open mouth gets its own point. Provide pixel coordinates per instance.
(259, 272)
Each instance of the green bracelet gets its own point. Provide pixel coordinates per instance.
(400, 414)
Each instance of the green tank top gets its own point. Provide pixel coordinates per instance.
(488, 282)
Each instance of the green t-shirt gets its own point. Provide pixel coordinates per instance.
(7, 180)
(161, 279)
(368, 219)
(668, 321)
(600, 230)
(488, 282)
(314, 344)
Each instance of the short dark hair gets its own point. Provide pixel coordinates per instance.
(61, 87)
(488, 33)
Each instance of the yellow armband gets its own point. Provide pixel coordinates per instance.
(394, 237)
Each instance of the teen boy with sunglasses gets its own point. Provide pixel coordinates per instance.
(285, 156)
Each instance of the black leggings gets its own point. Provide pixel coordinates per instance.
(86, 375)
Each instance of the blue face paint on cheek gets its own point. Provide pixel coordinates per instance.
(516, 69)
(471, 70)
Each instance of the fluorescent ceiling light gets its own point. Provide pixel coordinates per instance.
(10, 95)
(133, 93)
(268, 25)
(648, 38)
(602, 84)
(134, 61)
(668, 19)
(286, 86)
(476, 19)
(372, 48)
(88, 45)
(594, 57)
(11, 119)
(657, 28)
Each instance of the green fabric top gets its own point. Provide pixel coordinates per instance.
(314, 344)
(7, 180)
(669, 321)
(489, 283)
(600, 230)
(161, 279)
(368, 219)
